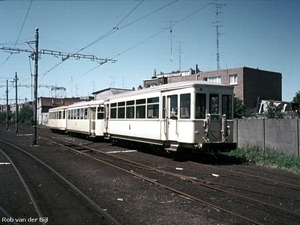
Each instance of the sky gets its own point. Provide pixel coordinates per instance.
(135, 36)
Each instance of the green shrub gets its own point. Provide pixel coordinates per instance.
(268, 157)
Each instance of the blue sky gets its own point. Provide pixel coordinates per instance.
(262, 34)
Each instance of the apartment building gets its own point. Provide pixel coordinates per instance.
(250, 85)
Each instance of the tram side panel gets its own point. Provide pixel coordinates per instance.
(57, 119)
(78, 121)
(87, 119)
(147, 131)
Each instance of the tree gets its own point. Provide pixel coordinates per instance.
(240, 109)
(3, 117)
(273, 111)
(25, 115)
(296, 102)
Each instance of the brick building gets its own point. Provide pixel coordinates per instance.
(44, 104)
(250, 85)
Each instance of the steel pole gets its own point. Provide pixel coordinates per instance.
(17, 107)
(7, 107)
(36, 61)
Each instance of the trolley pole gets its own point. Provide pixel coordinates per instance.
(36, 61)
(17, 107)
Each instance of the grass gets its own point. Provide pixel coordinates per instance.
(42, 126)
(268, 158)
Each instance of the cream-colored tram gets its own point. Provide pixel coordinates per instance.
(57, 119)
(86, 118)
(194, 114)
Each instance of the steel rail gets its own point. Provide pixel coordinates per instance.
(208, 184)
(153, 181)
(34, 202)
(91, 202)
(263, 179)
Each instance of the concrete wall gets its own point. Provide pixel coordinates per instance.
(282, 135)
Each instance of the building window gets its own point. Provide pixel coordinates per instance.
(233, 79)
(214, 79)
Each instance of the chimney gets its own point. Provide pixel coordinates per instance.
(154, 74)
(197, 69)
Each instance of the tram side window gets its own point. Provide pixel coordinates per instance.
(185, 106)
(173, 106)
(200, 106)
(227, 106)
(63, 114)
(153, 108)
(113, 111)
(121, 110)
(140, 109)
(81, 114)
(77, 113)
(85, 113)
(214, 104)
(130, 109)
(164, 107)
(100, 113)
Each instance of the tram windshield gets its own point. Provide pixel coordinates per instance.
(200, 106)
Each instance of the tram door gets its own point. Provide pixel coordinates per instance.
(172, 117)
(92, 121)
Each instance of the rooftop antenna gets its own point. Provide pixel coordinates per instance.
(113, 81)
(171, 32)
(218, 11)
(179, 50)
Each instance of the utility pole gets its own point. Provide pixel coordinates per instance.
(35, 56)
(36, 62)
(17, 107)
(7, 109)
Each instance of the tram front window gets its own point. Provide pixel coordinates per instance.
(214, 105)
(200, 106)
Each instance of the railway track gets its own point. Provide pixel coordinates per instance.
(131, 166)
(64, 203)
(223, 194)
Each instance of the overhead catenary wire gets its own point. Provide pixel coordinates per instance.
(19, 33)
(152, 36)
(115, 29)
(167, 28)
(100, 38)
